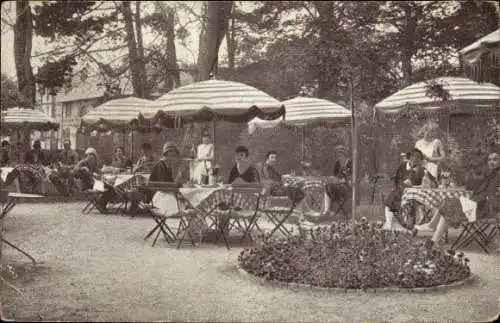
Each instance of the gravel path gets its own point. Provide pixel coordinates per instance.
(97, 268)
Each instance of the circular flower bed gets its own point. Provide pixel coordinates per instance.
(354, 257)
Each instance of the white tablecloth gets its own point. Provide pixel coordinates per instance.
(167, 204)
(5, 171)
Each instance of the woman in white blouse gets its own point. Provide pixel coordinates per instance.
(204, 157)
(431, 147)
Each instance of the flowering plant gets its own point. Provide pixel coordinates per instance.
(358, 256)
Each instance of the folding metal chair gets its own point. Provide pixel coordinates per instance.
(92, 196)
(185, 211)
(235, 215)
(484, 230)
(278, 210)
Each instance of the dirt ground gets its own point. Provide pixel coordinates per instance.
(98, 268)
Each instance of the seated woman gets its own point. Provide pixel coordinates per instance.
(341, 170)
(450, 212)
(147, 161)
(408, 174)
(120, 160)
(169, 169)
(243, 170)
(272, 180)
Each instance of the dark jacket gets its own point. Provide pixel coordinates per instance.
(4, 157)
(69, 157)
(161, 173)
(250, 175)
(343, 170)
(402, 174)
(30, 156)
(270, 173)
(485, 194)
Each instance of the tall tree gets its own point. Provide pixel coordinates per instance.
(138, 82)
(217, 17)
(23, 39)
(74, 28)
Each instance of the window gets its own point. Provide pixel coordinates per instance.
(67, 111)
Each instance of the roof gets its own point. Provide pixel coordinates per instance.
(492, 38)
(89, 89)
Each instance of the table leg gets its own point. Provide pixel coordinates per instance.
(20, 250)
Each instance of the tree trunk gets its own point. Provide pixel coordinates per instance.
(175, 77)
(132, 50)
(141, 62)
(23, 38)
(217, 17)
(231, 45)
(412, 15)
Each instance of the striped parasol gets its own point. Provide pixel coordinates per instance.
(464, 96)
(482, 58)
(212, 100)
(30, 119)
(301, 111)
(115, 114)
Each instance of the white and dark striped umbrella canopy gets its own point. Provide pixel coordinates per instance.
(221, 97)
(464, 94)
(33, 119)
(301, 111)
(118, 111)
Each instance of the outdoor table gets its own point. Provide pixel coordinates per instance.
(126, 185)
(4, 171)
(432, 198)
(204, 201)
(314, 187)
(7, 206)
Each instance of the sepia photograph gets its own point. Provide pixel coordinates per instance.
(250, 161)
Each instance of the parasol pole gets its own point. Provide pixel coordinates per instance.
(354, 153)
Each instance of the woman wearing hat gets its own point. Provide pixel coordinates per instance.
(169, 169)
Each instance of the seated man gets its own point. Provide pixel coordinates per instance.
(63, 173)
(34, 160)
(243, 171)
(408, 174)
(147, 161)
(5, 154)
(86, 167)
(451, 214)
(341, 170)
(120, 160)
